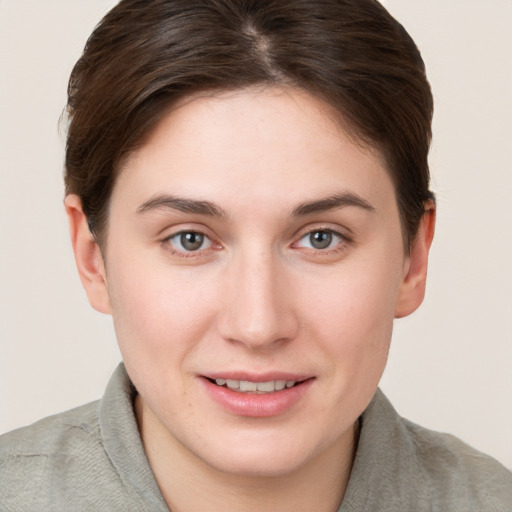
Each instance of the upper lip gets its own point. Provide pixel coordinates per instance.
(257, 377)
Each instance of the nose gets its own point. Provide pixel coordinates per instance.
(257, 307)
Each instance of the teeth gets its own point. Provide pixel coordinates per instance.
(280, 384)
(248, 386)
(233, 384)
(244, 386)
(267, 387)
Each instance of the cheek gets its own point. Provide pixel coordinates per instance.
(352, 316)
(159, 312)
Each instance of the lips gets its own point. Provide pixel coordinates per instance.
(257, 396)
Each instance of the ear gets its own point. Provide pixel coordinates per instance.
(412, 288)
(88, 257)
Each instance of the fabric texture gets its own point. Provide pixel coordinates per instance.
(92, 458)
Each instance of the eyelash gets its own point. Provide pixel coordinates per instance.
(167, 242)
(339, 247)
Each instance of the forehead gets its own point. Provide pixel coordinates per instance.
(272, 143)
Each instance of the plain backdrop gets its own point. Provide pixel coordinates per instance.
(450, 365)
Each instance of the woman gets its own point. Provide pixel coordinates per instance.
(248, 196)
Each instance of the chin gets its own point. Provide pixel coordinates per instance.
(259, 465)
(255, 456)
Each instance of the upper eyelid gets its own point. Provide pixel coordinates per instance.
(345, 234)
(165, 225)
(340, 236)
(327, 230)
(172, 231)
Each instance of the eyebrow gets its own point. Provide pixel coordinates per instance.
(185, 205)
(200, 207)
(333, 202)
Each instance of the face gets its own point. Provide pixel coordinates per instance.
(254, 262)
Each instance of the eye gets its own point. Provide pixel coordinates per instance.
(189, 241)
(320, 239)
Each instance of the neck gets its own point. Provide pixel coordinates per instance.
(188, 483)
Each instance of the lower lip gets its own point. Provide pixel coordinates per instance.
(257, 405)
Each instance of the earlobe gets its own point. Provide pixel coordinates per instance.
(412, 288)
(88, 257)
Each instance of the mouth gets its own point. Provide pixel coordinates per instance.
(257, 396)
(260, 388)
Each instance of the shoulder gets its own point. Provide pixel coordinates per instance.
(50, 435)
(455, 469)
(66, 434)
(402, 466)
(41, 463)
(88, 458)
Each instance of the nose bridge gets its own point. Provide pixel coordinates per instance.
(257, 310)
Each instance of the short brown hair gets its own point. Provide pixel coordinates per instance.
(146, 54)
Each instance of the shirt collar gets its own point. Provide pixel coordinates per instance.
(123, 443)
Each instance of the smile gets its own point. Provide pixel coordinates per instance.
(244, 386)
(257, 396)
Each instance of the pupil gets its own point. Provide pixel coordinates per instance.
(321, 239)
(192, 241)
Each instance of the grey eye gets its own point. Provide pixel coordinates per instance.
(189, 241)
(320, 239)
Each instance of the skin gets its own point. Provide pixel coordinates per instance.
(257, 296)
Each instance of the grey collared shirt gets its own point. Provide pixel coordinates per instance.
(92, 458)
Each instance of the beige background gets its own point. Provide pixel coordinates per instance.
(451, 362)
